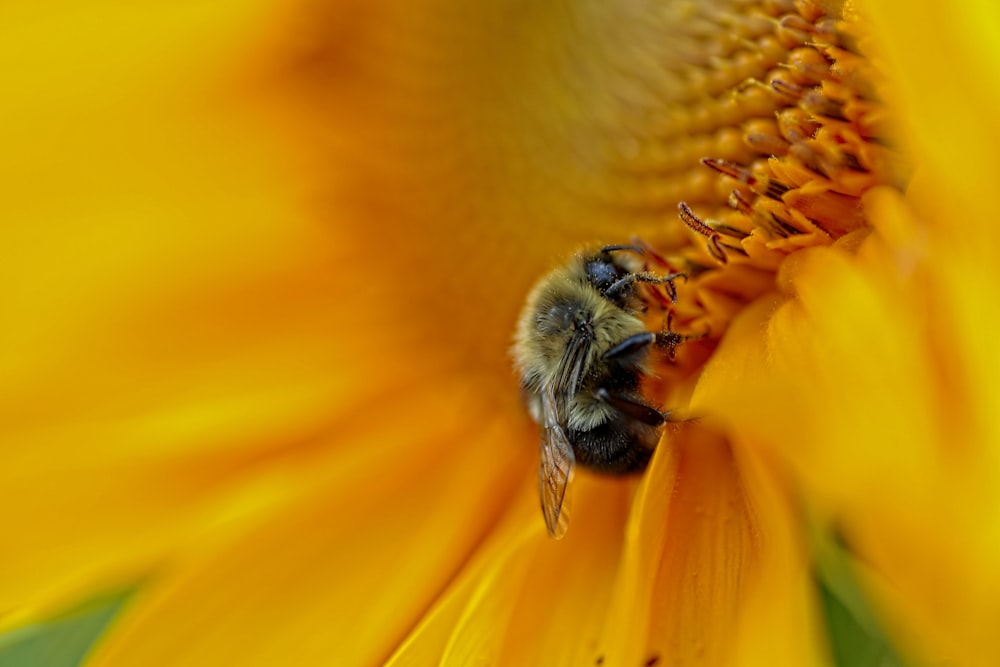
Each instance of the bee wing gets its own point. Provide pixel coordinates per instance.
(571, 368)
(556, 468)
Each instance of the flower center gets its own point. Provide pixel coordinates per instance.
(786, 124)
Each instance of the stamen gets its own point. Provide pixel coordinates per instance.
(808, 66)
(770, 188)
(691, 220)
(795, 125)
(740, 203)
(787, 88)
(794, 30)
(728, 230)
(817, 103)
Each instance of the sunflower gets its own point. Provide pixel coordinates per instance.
(263, 266)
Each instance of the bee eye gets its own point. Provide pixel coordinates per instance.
(602, 274)
(559, 317)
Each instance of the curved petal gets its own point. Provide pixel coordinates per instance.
(778, 621)
(500, 557)
(565, 595)
(856, 401)
(953, 137)
(711, 553)
(891, 420)
(531, 600)
(698, 533)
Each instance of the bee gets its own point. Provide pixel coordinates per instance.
(580, 349)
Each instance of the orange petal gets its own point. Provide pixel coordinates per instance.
(711, 552)
(778, 621)
(500, 559)
(530, 600)
(563, 601)
(708, 550)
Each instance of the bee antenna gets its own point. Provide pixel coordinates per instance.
(639, 250)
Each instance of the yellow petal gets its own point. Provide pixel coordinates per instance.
(460, 193)
(166, 304)
(778, 621)
(891, 418)
(949, 107)
(843, 383)
(940, 62)
(339, 575)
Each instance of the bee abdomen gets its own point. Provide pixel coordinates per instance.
(619, 446)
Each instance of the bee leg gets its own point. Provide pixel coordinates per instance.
(670, 340)
(634, 409)
(631, 345)
(667, 340)
(628, 281)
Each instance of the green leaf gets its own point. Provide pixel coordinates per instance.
(63, 641)
(855, 635)
(852, 644)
